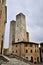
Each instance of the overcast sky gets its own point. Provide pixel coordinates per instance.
(33, 10)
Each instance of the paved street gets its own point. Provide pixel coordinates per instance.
(37, 64)
(14, 61)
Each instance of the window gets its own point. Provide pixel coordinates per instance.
(2, 36)
(26, 45)
(38, 59)
(26, 51)
(13, 51)
(26, 57)
(30, 45)
(31, 51)
(5, 22)
(34, 58)
(16, 51)
(16, 45)
(31, 59)
(17, 25)
(18, 39)
(35, 50)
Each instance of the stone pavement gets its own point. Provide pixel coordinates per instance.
(14, 61)
(37, 64)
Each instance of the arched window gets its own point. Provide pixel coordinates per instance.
(26, 57)
(31, 59)
(38, 59)
(31, 51)
(26, 51)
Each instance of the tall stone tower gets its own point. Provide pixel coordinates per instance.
(20, 32)
(8, 51)
(12, 27)
(3, 19)
(11, 36)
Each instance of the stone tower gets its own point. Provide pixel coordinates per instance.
(20, 32)
(11, 36)
(3, 19)
(12, 26)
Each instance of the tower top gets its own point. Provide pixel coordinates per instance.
(13, 21)
(20, 14)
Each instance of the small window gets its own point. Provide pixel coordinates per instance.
(34, 58)
(18, 39)
(2, 36)
(16, 51)
(26, 51)
(30, 45)
(4, 22)
(16, 45)
(26, 57)
(26, 45)
(31, 59)
(13, 51)
(38, 59)
(17, 25)
(35, 50)
(31, 51)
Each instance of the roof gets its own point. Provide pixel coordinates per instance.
(25, 42)
(20, 14)
(41, 43)
(13, 21)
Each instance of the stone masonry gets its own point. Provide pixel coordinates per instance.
(3, 19)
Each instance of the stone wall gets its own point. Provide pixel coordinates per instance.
(20, 32)
(3, 19)
(26, 50)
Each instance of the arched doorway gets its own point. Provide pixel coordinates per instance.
(31, 59)
(37, 59)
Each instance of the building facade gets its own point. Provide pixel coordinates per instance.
(41, 53)
(3, 19)
(28, 50)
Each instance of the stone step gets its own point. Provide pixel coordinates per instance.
(4, 58)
